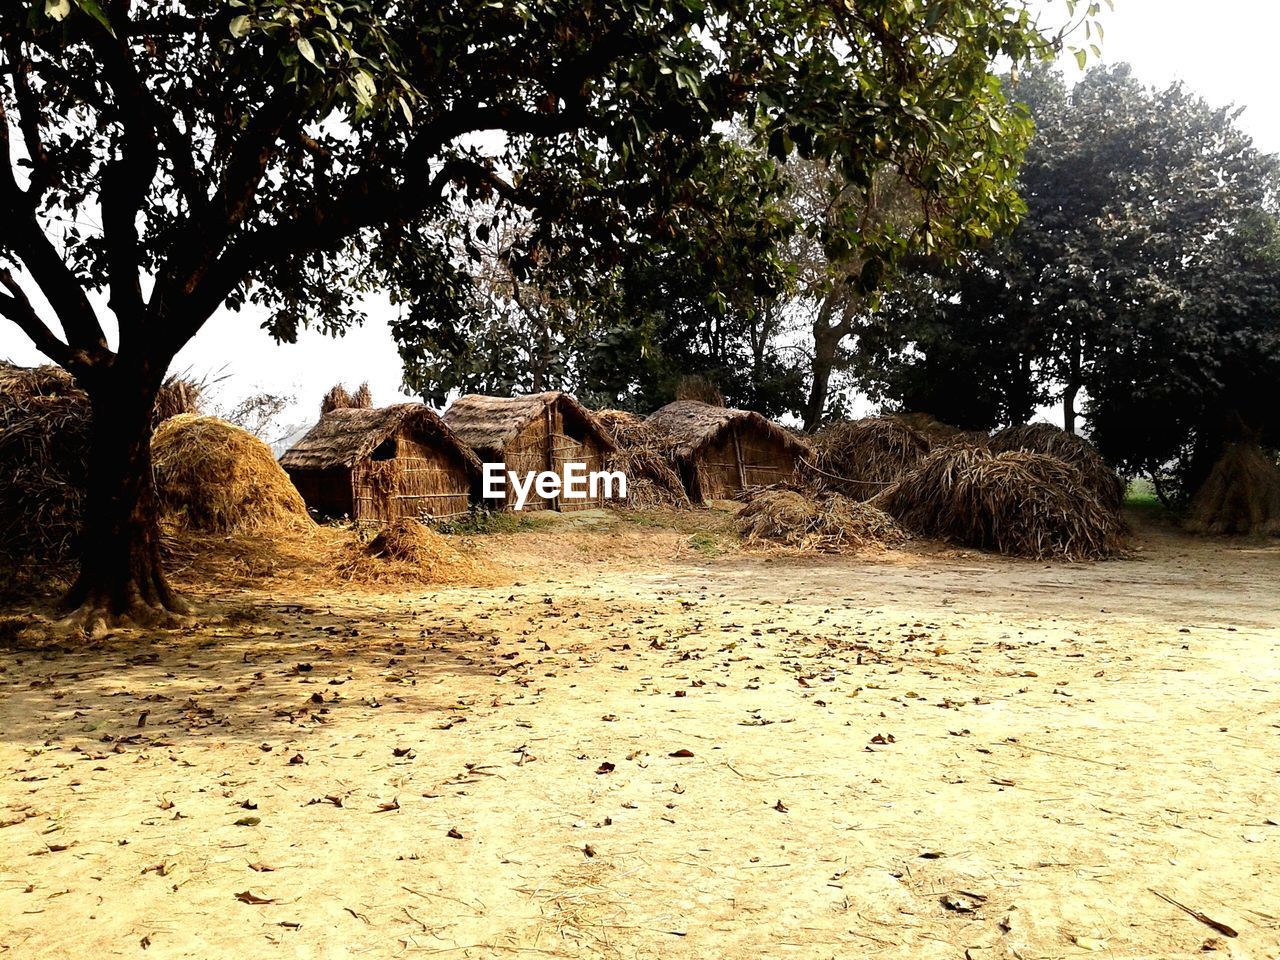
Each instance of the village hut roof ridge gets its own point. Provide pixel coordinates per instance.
(347, 435)
(489, 423)
(693, 424)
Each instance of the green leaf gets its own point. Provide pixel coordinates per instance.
(58, 9)
(1082, 58)
(239, 26)
(92, 8)
(364, 87)
(308, 51)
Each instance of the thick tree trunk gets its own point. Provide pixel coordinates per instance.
(826, 346)
(121, 578)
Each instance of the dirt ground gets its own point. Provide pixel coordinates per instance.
(637, 741)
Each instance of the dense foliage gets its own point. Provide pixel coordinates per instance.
(1141, 290)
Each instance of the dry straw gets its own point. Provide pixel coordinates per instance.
(1241, 495)
(829, 523)
(1017, 503)
(44, 454)
(405, 550)
(859, 458)
(645, 455)
(1080, 453)
(215, 477)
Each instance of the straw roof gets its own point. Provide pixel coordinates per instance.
(347, 435)
(694, 424)
(487, 424)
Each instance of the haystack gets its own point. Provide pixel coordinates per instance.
(177, 395)
(697, 386)
(829, 523)
(44, 455)
(1017, 503)
(215, 477)
(930, 427)
(720, 451)
(405, 549)
(859, 458)
(644, 454)
(1080, 453)
(1241, 495)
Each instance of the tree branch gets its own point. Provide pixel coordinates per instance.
(126, 180)
(42, 172)
(18, 309)
(20, 232)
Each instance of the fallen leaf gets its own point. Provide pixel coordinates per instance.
(245, 896)
(681, 753)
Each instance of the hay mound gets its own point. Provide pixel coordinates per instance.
(215, 477)
(859, 458)
(1053, 441)
(405, 549)
(646, 455)
(1241, 495)
(44, 455)
(1020, 504)
(177, 395)
(830, 523)
(930, 427)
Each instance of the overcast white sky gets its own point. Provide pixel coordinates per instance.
(1225, 50)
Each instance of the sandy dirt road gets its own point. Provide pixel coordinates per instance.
(629, 749)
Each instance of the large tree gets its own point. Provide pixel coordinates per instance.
(293, 154)
(1141, 289)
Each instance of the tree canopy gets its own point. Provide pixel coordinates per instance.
(1143, 280)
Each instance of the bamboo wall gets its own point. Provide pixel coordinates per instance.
(551, 441)
(406, 477)
(738, 459)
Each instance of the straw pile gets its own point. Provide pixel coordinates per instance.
(828, 523)
(177, 395)
(859, 458)
(339, 398)
(1080, 453)
(930, 427)
(697, 386)
(1241, 495)
(212, 476)
(405, 549)
(44, 453)
(1018, 503)
(645, 455)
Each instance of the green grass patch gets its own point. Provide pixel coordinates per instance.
(479, 522)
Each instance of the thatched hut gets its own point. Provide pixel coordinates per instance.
(541, 431)
(382, 464)
(721, 451)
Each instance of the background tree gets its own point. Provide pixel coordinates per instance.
(294, 154)
(1142, 281)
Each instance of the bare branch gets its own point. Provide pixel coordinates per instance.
(21, 233)
(18, 309)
